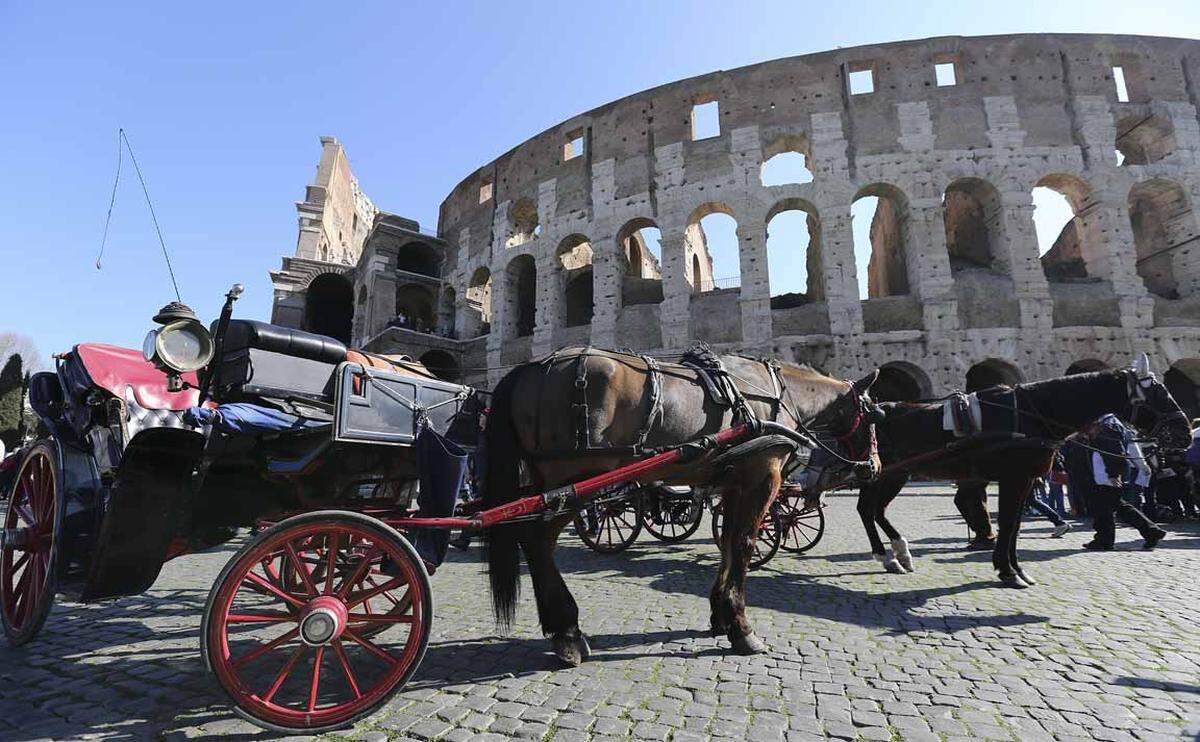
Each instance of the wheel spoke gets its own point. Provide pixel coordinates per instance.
(333, 545)
(300, 569)
(284, 673)
(315, 687)
(371, 647)
(263, 585)
(391, 584)
(260, 651)
(359, 573)
(23, 512)
(344, 661)
(20, 562)
(259, 618)
(381, 618)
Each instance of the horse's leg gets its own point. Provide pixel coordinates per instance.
(745, 507)
(1012, 497)
(557, 610)
(899, 544)
(870, 498)
(1023, 494)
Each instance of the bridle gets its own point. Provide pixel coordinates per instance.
(1139, 402)
(862, 457)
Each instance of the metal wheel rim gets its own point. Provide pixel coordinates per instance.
(799, 531)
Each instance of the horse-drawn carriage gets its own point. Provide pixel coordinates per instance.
(321, 616)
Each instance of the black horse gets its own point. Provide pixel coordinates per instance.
(1022, 427)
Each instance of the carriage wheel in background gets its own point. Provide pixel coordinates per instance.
(317, 621)
(670, 515)
(766, 543)
(610, 527)
(800, 527)
(29, 558)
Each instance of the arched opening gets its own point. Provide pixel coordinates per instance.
(1143, 139)
(880, 221)
(522, 295)
(992, 372)
(971, 210)
(640, 246)
(786, 161)
(1086, 366)
(522, 222)
(1066, 243)
(901, 382)
(447, 322)
(1163, 226)
(1183, 382)
(414, 307)
(479, 303)
(329, 306)
(794, 254)
(575, 257)
(711, 246)
(441, 364)
(420, 258)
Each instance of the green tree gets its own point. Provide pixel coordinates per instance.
(11, 402)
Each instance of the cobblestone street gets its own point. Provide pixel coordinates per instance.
(1107, 646)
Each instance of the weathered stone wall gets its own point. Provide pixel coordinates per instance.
(1024, 110)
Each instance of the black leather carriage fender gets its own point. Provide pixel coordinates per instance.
(150, 503)
(753, 446)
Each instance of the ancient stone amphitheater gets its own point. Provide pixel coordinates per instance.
(553, 243)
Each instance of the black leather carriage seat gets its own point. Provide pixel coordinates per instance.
(248, 333)
(261, 360)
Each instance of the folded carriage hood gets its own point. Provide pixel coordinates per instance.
(115, 369)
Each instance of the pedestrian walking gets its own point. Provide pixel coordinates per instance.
(1108, 438)
(1037, 502)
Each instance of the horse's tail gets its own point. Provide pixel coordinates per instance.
(502, 485)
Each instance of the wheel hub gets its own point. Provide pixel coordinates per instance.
(324, 621)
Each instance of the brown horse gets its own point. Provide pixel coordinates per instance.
(548, 413)
(1023, 426)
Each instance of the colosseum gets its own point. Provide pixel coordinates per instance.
(594, 231)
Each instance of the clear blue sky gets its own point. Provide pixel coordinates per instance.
(224, 104)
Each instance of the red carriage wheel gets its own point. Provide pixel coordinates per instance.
(317, 621)
(29, 558)
(800, 526)
(610, 527)
(672, 514)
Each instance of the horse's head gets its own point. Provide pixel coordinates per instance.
(845, 435)
(1152, 409)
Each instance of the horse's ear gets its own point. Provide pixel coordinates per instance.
(862, 385)
(1141, 366)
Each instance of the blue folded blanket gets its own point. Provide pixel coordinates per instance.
(244, 418)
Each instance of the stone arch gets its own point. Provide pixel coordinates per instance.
(523, 225)
(1183, 382)
(639, 244)
(1143, 139)
(992, 372)
(901, 381)
(972, 213)
(707, 254)
(575, 255)
(441, 364)
(1086, 366)
(786, 160)
(794, 228)
(419, 257)
(479, 303)
(1068, 237)
(329, 306)
(414, 307)
(521, 295)
(886, 263)
(1163, 225)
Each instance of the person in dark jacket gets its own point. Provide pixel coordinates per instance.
(1109, 438)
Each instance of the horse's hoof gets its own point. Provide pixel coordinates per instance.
(1013, 580)
(1027, 579)
(890, 564)
(748, 644)
(572, 649)
(903, 555)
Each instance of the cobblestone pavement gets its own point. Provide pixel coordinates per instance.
(1106, 647)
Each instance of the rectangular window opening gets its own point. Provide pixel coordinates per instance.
(574, 146)
(485, 191)
(947, 75)
(706, 120)
(1119, 79)
(861, 80)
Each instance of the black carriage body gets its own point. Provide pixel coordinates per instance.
(135, 496)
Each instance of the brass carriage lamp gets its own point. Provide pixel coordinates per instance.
(180, 346)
